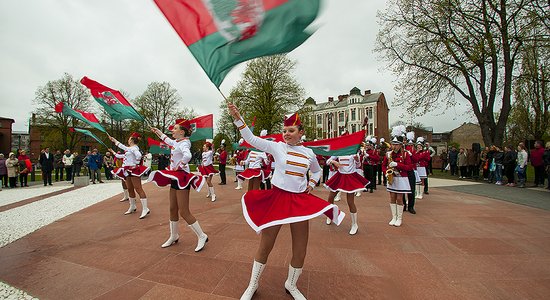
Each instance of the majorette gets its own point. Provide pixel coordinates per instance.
(396, 165)
(207, 168)
(131, 172)
(255, 173)
(180, 179)
(288, 202)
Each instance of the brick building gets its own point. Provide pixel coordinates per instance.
(5, 135)
(348, 112)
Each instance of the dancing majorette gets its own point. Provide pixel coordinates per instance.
(288, 202)
(395, 166)
(423, 157)
(207, 169)
(346, 180)
(240, 156)
(180, 179)
(256, 160)
(131, 172)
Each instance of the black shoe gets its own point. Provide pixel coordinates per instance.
(412, 211)
(426, 192)
(370, 191)
(93, 182)
(50, 184)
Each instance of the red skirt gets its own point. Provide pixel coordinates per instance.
(347, 183)
(208, 171)
(266, 208)
(164, 177)
(251, 173)
(124, 172)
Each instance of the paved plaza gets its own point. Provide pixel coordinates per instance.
(468, 241)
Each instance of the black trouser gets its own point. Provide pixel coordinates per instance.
(464, 171)
(47, 176)
(58, 171)
(108, 173)
(430, 167)
(4, 179)
(539, 174)
(475, 175)
(368, 171)
(509, 173)
(425, 185)
(13, 181)
(23, 179)
(443, 165)
(69, 173)
(222, 173)
(380, 175)
(326, 170)
(266, 185)
(454, 169)
(410, 196)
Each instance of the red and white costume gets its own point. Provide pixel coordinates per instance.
(287, 202)
(131, 165)
(255, 160)
(346, 179)
(180, 156)
(414, 160)
(207, 167)
(423, 160)
(400, 184)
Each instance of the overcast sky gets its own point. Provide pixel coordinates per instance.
(127, 44)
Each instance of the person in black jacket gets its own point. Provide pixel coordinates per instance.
(509, 163)
(46, 161)
(499, 164)
(546, 160)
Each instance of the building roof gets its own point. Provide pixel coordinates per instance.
(369, 98)
(9, 119)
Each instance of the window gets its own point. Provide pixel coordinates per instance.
(371, 129)
(341, 117)
(353, 128)
(353, 114)
(319, 119)
(369, 111)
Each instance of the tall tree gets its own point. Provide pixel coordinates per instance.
(55, 126)
(159, 105)
(443, 49)
(268, 91)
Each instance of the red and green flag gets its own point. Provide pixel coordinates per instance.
(88, 133)
(86, 117)
(222, 34)
(114, 103)
(338, 146)
(158, 147)
(203, 128)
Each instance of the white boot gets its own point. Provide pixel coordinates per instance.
(202, 237)
(132, 207)
(126, 196)
(337, 197)
(239, 184)
(417, 191)
(329, 221)
(357, 194)
(393, 208)
(354, 226)
(257, 269)
(399, 216)
(290, 283)
(420, 191)
(208, 195)
(174, 236)
(212, 193)
(144, 209)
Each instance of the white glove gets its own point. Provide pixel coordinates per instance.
(393, 164)
(366, 155)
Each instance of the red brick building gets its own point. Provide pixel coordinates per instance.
(5, 135)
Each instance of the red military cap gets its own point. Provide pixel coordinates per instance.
(293, 120)
(135, 135)
(182, 123)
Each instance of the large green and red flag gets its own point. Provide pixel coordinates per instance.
(86, 117)
(114, 103)
(158, 147)
(203, 128)
(88, 133)
(338, 146)
(222, 34)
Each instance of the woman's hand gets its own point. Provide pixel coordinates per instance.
(335, 164)
(309, 189)
(156, 131)
(233, 111)
(112, 139)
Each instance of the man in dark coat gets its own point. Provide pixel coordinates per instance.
(46, 161)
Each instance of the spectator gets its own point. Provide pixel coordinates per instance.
(432, 154)
(108, 165)
(538, 164)
(163, 162)
(453, 160)
(68, 159)
(12, 164)
(509, 163)
(94, 163)
(484, 163)
(499, 163)
(471, 158)
(58, 165)
(23, 168)
(222, 158)
(77, 165)
(492, 166)
(147, 160)
(463, 163)
(443, 157)
(521, 165)
(86, 166)
(546, 159)
(46, 161)
(3, 172)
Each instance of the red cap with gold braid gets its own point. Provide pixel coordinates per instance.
(293, 120)
(135, 135)
(182, 123)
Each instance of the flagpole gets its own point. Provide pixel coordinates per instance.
(222, 94)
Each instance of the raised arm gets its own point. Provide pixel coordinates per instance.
(164, 137)
(249, 137)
